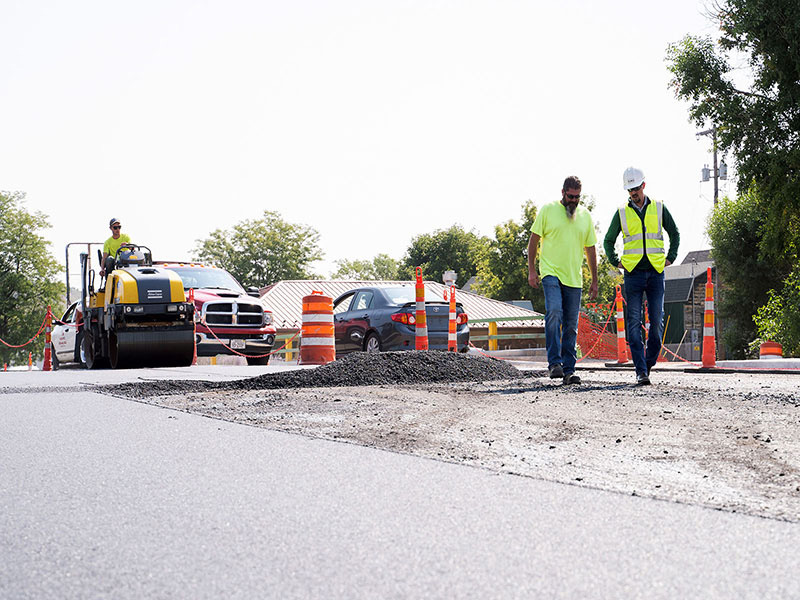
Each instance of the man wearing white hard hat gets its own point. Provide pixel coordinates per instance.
(642, 222)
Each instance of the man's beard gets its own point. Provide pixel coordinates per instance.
(571, 208)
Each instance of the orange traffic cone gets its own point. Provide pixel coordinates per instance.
(194, 327)
(622, 348)
(452, 344)
(421, 339)
(709, 340)
(48, 342)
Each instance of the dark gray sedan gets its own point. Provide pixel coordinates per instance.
(375, 319)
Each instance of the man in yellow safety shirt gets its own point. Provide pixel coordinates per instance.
(642, 223)
(113, 243)
(566, 232)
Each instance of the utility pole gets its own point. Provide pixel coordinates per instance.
(721, 171)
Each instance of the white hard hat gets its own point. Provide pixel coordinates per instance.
(632, 178)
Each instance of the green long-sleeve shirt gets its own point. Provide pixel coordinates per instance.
(615, 228)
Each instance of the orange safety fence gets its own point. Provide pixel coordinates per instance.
(38, 333)
(597, 333)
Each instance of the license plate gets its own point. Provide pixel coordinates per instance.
(238, 344)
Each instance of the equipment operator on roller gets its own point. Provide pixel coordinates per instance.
(113, 243)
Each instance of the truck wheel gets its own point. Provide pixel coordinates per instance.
(257, 361)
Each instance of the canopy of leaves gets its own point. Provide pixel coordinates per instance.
(27, 278)
(450, 249)
(745, 276)
(259, 252)
(503, 271)
(779, 319)
(758, 121)
(381, 268)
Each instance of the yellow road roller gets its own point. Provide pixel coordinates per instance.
(138, 316)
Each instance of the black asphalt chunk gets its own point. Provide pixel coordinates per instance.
(356, 369)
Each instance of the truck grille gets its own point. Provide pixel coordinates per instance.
(233, 314)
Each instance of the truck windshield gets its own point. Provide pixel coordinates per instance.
(204, 277)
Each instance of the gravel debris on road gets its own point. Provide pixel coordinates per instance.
(357, 369)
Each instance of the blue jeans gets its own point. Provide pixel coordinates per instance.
(651, 285)
(561, 304)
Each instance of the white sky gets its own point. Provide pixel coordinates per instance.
(371, 121)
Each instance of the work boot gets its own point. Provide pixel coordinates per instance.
(571, 378)
(642, 379)
(556, 372)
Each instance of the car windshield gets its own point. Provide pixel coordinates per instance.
(204, 277)
(402, 295)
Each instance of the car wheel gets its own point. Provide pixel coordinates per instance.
(372, 343)
(54, 360)
(257, 361)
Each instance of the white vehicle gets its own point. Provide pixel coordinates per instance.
(67, 347)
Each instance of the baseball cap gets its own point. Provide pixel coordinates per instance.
(112, 221)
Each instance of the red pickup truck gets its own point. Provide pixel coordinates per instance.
(230, 319)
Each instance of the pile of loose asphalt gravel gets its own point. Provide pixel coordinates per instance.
(356, 369)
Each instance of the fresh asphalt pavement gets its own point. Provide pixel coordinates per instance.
(103, 497)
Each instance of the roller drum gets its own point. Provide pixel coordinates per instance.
(128, 349)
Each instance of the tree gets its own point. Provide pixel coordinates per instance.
(27, 277)
(381, 268)
(758, 121)
(746, 277)
(779, 319)
(262, 251)
(503, 272)
(450, 249)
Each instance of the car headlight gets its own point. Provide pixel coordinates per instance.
(267, 318)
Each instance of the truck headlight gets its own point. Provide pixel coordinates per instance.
(267, 318)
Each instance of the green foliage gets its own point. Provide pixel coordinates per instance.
(450, 249)
(759, 122)
(746, 276)
(503, 270)
(757, 113)
(27, 278)
(779, 319)
(381, 268)
(259, 252)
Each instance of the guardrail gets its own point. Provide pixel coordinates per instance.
(494, 337)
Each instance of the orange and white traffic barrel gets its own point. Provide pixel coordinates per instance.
(421, 339)
(317, 345)
(452, 343)
(709, 339)
(770, 350)
(622, 349)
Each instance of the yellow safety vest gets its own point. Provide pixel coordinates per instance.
(637, 243)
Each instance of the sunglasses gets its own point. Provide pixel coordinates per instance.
(116, 227)
(574, 196)
(636, 189)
